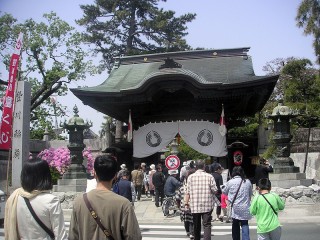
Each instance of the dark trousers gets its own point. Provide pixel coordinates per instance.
(206, 222)
(188, 226)
(138, 189)
(236, 223)
(218, 208)
(159, 196)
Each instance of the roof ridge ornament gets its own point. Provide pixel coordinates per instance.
(170, 63)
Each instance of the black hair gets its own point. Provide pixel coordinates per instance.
(264, 184)
(35, 175)
(238, 171)
(191, 164)
(105, 167)
(136, 166)
(158, 167)
(125, 173)
(207, 169)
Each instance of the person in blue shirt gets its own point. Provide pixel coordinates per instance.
(126, 187)
(172, 184)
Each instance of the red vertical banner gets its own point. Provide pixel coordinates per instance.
(222, 124)
(8, 100)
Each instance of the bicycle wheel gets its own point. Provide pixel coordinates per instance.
(169, 207)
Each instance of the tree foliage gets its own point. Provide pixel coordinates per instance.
(53, 55)
(308, 17)
(298, 86)
(132, 27)
(188, 153)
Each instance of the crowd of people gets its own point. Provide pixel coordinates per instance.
(106, 210)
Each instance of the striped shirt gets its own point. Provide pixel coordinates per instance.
(201, 187)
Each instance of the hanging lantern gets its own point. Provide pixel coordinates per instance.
(237, 158)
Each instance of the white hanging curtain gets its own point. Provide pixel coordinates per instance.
(204, 137)
(153, 137)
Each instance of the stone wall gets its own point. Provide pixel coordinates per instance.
(313, 164)
(299, 194)
(294, 195)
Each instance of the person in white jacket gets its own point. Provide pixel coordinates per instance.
(36, 184)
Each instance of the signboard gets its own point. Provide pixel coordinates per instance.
(172, 162)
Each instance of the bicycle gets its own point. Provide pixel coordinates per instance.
(169, 206)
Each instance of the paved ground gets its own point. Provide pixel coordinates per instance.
(147, 212)
(154, 225)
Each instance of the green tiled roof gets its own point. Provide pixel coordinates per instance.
(180, 85)
(206, 67)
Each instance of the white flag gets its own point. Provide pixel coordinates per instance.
(222, 124)
(129, 138)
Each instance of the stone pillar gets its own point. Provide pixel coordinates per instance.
(20, 130)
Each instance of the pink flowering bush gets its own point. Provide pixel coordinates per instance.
(59, 160)
(86, 153)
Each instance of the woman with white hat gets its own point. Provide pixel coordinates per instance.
(151, 186)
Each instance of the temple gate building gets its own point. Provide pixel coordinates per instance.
(183, 86)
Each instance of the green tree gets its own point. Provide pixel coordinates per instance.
(132, 27)
(53, 55)
(188, 153)
(308, 17)
(302, 89)
(298, 85)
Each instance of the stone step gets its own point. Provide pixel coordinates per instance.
(285, 183)
(72, 181)
(70, 188)
(287, 176)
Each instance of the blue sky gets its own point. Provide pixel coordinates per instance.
(267, 26)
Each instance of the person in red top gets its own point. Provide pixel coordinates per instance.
(224, 207)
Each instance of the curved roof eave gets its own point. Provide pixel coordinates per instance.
(158, 78)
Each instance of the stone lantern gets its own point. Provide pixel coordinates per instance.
(281, 116)
(285, 174)
(174, 147)
(75, 179)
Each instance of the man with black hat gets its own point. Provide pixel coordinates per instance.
(263, 170)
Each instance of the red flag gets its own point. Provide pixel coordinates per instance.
(8, 100)
(222, 127)
(129, 138)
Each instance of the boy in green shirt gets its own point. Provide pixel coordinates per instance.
(265, 207)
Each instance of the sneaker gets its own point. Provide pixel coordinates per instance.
(191, 236)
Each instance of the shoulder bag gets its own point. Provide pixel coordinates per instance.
(96, 217)
(269, 204)
(42, 225)
(235, 196)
